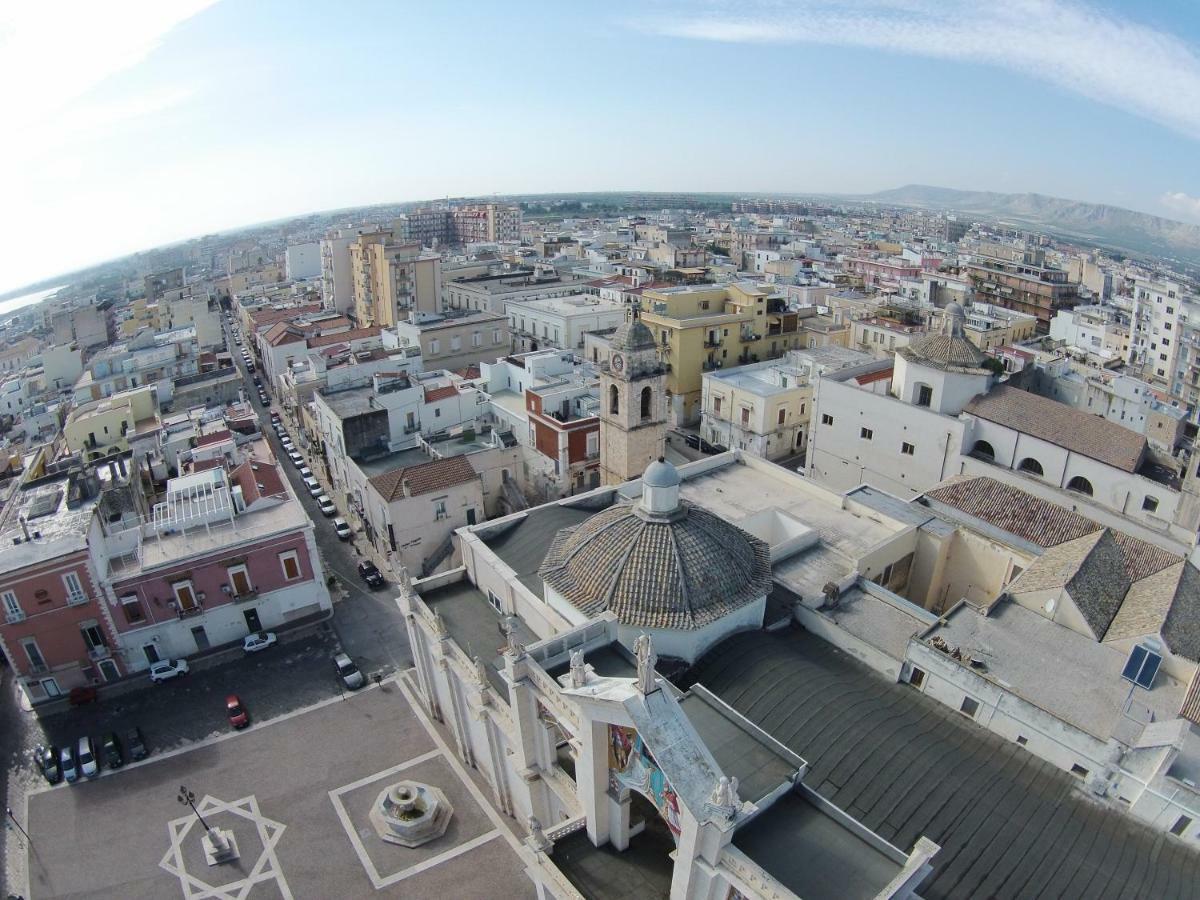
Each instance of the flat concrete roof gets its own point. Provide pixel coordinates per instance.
(524, 546)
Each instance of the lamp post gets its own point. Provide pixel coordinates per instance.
(8, 810)
(188, 798)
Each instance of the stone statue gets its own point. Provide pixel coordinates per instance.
(578, 672)
(643, 649)
(537, 837)
(724, 798)
(480, 672)
(513, 646)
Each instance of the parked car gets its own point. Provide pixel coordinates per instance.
(85, 753)
(166, 669)
(135, 743)
(66, 759)
(81, 695)
(110, 749)
(371, 575)
(296, 458)
(257, 381)
(326, 505)
(305, 472)
(238, 717)
(348, 672)
(260, 640)
(48, 763)
(342, 529)
(314, 487)
(274, 416)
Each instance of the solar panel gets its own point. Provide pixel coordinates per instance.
(1142, 666)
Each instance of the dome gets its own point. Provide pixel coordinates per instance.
(632, 335)
(660, 474)
(949, 348)
(680, 571)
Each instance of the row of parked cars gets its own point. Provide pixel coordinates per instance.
(340, 526)
(83, 759)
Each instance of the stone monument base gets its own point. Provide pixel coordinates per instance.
(220, 846)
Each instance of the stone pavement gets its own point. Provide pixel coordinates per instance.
(296, 792)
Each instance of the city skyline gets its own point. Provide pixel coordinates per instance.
(159, 122)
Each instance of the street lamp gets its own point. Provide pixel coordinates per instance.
(8, 810)
(188, 798)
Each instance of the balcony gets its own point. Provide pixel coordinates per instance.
(77, 599)
(711, 344)
(13, 616)
(99, 652)
(38, 668)
(245, 596)
(412, 429)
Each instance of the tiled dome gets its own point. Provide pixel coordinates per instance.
(681, 570)
(947, 349)
(632, 335)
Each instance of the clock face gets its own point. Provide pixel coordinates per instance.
(618, 362)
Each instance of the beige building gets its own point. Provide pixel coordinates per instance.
(632, 404)
(391, 279)
(453, 341)
(701, 328)
(104, 427)
(762, 408)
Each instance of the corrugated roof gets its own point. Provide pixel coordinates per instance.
(1062, 425)
(424, 478)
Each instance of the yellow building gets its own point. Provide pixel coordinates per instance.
(700, 328)
(104, 427)
(390, 279)
(143, 314)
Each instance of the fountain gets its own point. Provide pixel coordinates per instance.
(410, 813)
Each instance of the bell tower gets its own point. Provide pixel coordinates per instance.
(633, 409)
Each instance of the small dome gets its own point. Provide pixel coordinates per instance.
(660, 473)
(632, 335)
(947, 349)
(683, 571)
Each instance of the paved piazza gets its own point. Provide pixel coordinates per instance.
(295, 792)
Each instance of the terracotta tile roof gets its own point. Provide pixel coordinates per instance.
(432, 395)
(1059, 424)
(254, 472)
(283, 333)
(1190, 709)
(215, 437)
(872, 377)
(354, 334)
(262, 317)
(202, 465)
(423, 478)
(1036, 520)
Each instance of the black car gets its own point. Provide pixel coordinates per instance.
(47, 762)
(257, 381)
(110, 749)
(368, 573)
(136, 744)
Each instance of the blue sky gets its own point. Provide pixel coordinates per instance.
(144, 122)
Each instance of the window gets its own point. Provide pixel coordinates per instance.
(496, 603)
(185, 596)
(12, 609)
(132, 607)
(716, 406)
(593, 443)
(826, 419)
(983, 450)
(1150, 504)
(239, 581)
(969, 707)
(782, 415)
(916, 677)
(290, 562)
(1181, 825)
(495, 335)
(614, 400)
(434, 347)
(439, 509)
(1080, 485)
(456, 342)
(907, 449)
(93, 636)
(1030, 465)
(1079, 771)
(1022, 740)
(36, 661)
(647, 402)
(75, 592)
(745, 417)
(476, 339)
(866, 434)
(924, 395)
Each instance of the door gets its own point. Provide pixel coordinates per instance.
(201, 637)
(241, 582)
(471, 516)
(252, 620)
(50, 686)
(109, 670)
(151, 652)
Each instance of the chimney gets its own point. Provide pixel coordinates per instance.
(25, 528)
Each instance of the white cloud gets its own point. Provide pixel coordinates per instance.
(1106, 58)
(1181, 203)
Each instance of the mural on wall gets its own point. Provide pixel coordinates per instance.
(631, 765)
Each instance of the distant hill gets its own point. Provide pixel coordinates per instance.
(1085, 222)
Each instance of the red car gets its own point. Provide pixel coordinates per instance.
(238, 717)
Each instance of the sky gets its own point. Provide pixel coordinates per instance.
(140, 122)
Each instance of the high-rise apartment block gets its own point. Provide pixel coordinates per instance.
(475, 224)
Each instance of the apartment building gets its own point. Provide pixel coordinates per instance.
(493, 291)
(1101, 331)
(454, 339)
(762, 408)
(110, 426)
(1025, 283)
(699, 328)
(559, 322)
(337, 269)
(483, 223)
(392, 278)
(302, 261)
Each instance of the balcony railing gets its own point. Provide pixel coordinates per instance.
(77, 599)
(99, 652)
(12, 616)
(38, 668)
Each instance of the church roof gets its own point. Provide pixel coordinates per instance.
(947, 349)
(682, 570)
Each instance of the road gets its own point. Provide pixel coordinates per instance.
(368, 623)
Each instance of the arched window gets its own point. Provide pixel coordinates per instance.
(646, 398)
(983, 450)
(614, 400)
(1080, 485)
(1032, 466)
(923, 395)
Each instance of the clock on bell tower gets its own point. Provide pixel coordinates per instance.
(632, 404)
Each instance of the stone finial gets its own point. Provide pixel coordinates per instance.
(643, 649)
(724, 799)
(513, 646)
(537, 837)
(439, 625)
(480, 672)
(578, 672)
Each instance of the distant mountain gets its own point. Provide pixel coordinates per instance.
(1095, 223)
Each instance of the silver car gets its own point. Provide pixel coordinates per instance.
(89, 765)
(348, 672)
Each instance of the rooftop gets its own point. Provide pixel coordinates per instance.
(423, 478)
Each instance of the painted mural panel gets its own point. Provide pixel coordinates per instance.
(631, 765)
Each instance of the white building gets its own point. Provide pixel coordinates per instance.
(303, 261)
(560, 322)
